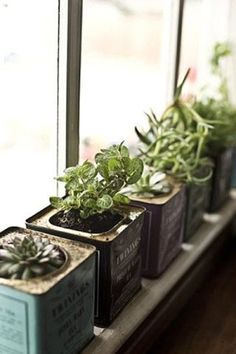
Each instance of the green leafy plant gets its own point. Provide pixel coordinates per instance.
(29, 257)
(176, 142)
(216, 107)
(94, 188)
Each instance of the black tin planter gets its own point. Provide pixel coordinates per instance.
(233, 179)
(118, 259)
(162, 231)
(221, 180)
(197, 201)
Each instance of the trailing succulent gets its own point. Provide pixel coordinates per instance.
(216, 106)
(29, 257)
(94, 188)
(176, 142)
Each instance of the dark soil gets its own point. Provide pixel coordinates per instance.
(97, 223)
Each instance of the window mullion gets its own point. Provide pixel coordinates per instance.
(73, 81)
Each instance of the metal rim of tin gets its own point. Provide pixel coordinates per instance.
(123, 211)
(116, 226)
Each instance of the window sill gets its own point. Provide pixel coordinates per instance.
(154, 293)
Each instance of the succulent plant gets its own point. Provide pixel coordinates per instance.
(29, 257)
(151, 184)
(175, 143)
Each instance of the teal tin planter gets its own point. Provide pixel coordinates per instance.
(163, 229)
(118, 272)
(52, 314)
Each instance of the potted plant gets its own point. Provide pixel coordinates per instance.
(162, 237)
(218, 110)
(175, 145)
(96, 212)
(46, 293)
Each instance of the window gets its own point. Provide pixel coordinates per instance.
(29, 107)
(123, 60)
(205, 22)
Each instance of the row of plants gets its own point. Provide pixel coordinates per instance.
(81, 259)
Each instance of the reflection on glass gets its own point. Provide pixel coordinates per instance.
(120, 76)
(28, 109)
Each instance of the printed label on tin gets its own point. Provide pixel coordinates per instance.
(13, 329)
(70, 312)
(126, 266)
(171, 226)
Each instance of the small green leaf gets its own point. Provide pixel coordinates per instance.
(180, 86)
(91, 188)
(90, 203)
(73, 184)
(62, 179)
(4, 268)
(121, 199)
(98, 157)
(88, 170)
(26, 274)
(114, 165)
(135, 170)
(37, 269)
(126, 162)
(6, 255)
(124, 151)
(142, 137)
(105, 202)
(56, 202)
(71, 170)
(103, 170)
(48, 249)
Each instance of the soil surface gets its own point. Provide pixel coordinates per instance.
(97, 223)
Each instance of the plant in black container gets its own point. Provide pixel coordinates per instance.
(46, 293)
(95, 211)
(163, 224)
(219, 111)
(175, 144)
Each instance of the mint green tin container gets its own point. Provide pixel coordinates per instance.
(51, 314)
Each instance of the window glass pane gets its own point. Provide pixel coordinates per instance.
(28, 108)
(205, 22)
(191, 42)
(121, 70)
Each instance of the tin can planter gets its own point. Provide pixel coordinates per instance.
(162, 231)
(197, 202)
(118, 275)
(52, 313)
(221, 180)
(233, 179)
